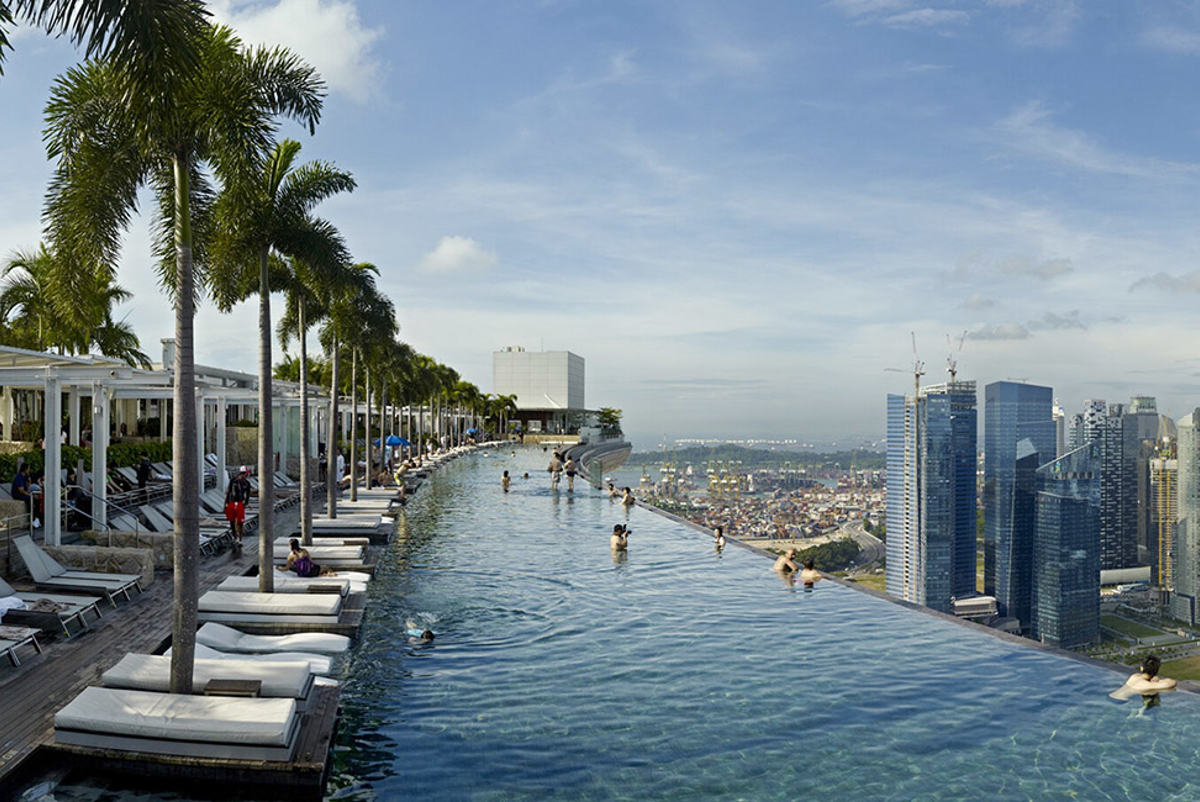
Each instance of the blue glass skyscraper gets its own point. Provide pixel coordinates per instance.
(1066, 550)
(1013, 412)
(931, 495)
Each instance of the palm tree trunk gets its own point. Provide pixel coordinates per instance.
(266, 433)
(184, 495)
(305, 445)
(354, 424)
(334, 448)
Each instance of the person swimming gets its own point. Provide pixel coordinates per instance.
(627, 497)
(620, 538)
(719, 537)
(424, 635)
(1145, 681)
(786, 564)
(505, 481)
(810, 576)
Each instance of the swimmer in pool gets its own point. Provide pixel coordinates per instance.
(423, 635)
(505, 481)
(613, 492)
(1146, 681)
(620, 538)
(719, 538)
(627, 497)
(786, 564)
(810, 576)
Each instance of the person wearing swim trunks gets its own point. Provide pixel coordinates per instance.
(505, 481)
(570, 468)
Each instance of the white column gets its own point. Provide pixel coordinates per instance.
(51, 490)
(222, 474)
(73, 408)
(281, 434)
(163, 405)
(6, 413)
(200, 429)
(99, 455)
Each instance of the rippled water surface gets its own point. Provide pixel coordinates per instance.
(674, 672)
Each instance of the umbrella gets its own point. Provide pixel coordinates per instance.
(394, 440)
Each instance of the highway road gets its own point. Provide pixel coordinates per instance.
(872, 548)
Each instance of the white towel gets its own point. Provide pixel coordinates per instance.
(10, 603)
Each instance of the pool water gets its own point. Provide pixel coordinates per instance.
(675, 672)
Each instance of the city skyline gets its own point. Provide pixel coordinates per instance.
(727, 211)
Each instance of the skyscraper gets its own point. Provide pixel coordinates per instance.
(931, 495)
(1186, 563)
(1013, 412)
(1066, 554)
(1164, 514)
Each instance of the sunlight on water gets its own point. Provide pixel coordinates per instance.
(675, 672)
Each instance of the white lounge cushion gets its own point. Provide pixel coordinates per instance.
(323, 554)
(228, 639)
(285, 543)
(176, 717)
(317, 663)
(221, 601)
(152, 672)
(286, 583)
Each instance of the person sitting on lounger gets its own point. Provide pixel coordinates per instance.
(300, 561)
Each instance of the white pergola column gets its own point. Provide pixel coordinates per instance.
(6, 413)
(200, 429)
(222, 473)
(163, 405)
(281, 434)
(52, 429)
(73, 409)
(100, 456)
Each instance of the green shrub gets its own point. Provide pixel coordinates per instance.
(120, 455)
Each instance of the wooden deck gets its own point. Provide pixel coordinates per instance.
(43, 684)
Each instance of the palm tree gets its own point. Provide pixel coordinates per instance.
(308, 285)
(154, 118)
(46, 306)
(260, 213)
(341, 326)
(124, 30)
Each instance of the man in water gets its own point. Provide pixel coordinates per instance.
(555, 469)
(620, 538)
(627, 497)
(570, 468)
(505, 481)
(786, 564)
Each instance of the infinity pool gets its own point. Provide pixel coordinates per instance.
(675, 672)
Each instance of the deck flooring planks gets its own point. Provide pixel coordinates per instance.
(32, 693)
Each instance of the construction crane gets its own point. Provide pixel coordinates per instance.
(952, 356)
(918, 368)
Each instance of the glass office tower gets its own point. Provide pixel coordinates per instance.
(1066, 550)
(1013, 412)
(931, 495)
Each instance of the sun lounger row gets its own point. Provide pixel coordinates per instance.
(40, 607)
(49, 573)
(134, 711)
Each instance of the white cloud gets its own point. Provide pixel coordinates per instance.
(977, 300)
(327, 33)
(1029, 129)
(1175, 40)
(1184, 283)
(1000, 331)
(456, 253)
(926, 18)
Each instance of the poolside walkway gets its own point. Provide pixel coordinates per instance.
(44, 683)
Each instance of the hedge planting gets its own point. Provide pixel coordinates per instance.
(120, 455)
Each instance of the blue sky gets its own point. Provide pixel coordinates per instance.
(738, 212)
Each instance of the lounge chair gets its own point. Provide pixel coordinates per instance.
(332, 556)
(71, 609)
(286, 542)
(176, 724)
(319, 664)
(286, 583)
(152, 672)
(49, 573)
(14, 639)
(267, 608)
(228, 639)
